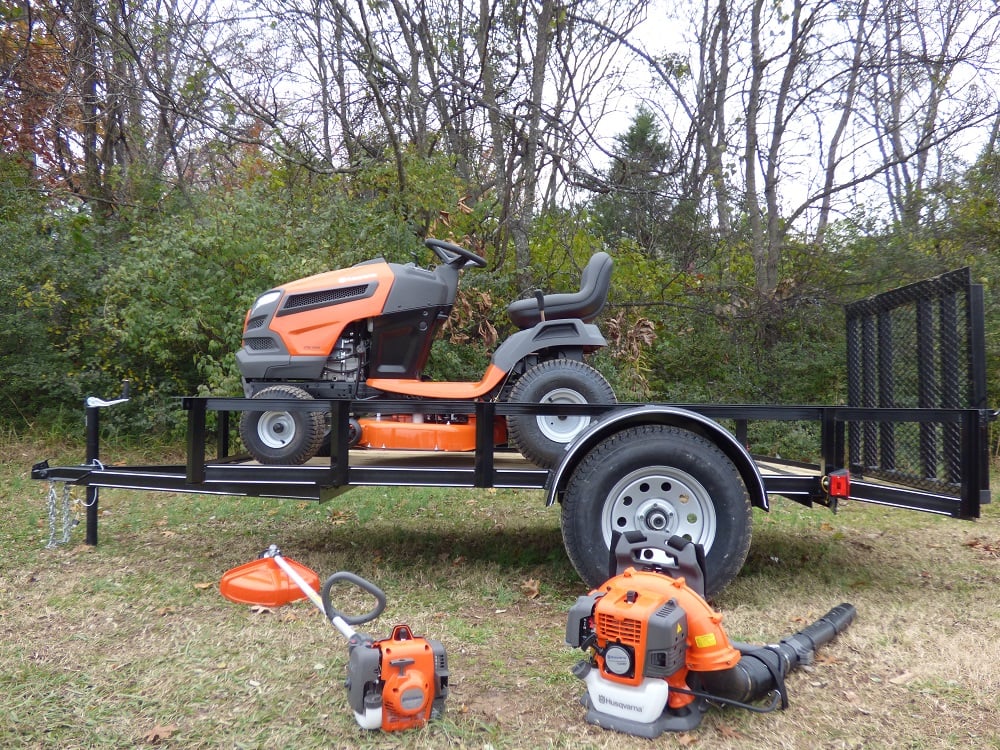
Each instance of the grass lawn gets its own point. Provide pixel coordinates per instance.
(130, 644)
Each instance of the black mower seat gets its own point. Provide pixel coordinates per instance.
(585, 304)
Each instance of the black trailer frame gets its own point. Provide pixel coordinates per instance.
(490, 467)
(917, 441)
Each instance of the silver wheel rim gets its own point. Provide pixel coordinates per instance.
(562, 429)
(664, 499)
(276, 429)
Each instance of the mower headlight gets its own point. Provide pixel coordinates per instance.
(265, 299)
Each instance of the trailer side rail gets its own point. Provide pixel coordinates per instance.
(227, 474)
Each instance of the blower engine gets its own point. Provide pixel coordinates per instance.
(399, 682)
(659, 656)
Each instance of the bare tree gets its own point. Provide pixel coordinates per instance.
(794, 107)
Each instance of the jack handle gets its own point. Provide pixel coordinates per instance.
(93, 402)
(540, 300)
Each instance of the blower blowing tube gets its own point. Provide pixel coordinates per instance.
(762, 669)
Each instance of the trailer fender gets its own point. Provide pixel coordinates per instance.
(619, 420)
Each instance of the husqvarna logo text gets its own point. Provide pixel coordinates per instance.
(606, 701)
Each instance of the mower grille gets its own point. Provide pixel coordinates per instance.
(255, 344)
(256, 322)
(622, 630)
(324, 297)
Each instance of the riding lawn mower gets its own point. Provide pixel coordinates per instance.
(364, 333)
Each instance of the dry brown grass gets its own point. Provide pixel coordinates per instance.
(130, 644)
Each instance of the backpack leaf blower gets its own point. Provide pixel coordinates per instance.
(395, 683)
(659, 656)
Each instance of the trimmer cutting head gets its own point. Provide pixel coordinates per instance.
(263, 583)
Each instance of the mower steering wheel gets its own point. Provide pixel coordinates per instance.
(450, 253)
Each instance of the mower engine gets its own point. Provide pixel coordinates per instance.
(659, 656)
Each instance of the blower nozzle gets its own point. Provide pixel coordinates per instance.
(762, 669)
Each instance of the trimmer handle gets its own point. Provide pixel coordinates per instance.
(361, 583)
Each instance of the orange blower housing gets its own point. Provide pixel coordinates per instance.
(658, 652)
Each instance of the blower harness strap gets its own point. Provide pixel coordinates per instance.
(770, 657)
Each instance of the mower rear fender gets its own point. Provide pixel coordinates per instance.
(618, 421)
(547, 335)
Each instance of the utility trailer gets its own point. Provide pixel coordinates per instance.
(915, 434)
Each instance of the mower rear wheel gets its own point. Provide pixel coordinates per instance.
(283, 437)
(543, 438)
(657, 478)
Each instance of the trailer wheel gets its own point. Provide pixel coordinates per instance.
(661, 478)
(542, 439)
(283, 437)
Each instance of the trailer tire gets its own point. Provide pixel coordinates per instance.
(542, 439)
(283, 437)
(662, 478)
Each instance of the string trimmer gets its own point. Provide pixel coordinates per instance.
(395, 683)
(658, 654)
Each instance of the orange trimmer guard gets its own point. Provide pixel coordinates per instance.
(262, 582)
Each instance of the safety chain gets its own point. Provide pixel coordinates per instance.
(67, 521)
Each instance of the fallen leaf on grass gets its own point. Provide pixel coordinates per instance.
(990, 548)
(687, 739)
(203, 586)
(260, 609)
(531, 588)
(338, 518)
(901, 679)
(158, 734)
(858, 704)
(729, 733)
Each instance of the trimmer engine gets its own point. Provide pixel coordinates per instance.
(399, 682)
(658, 653)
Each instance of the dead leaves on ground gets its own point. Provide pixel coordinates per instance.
(990, 549)
(159, 734)
(531, 588)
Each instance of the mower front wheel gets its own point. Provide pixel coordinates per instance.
(543, 438)
(283, 437)
(657, 478)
